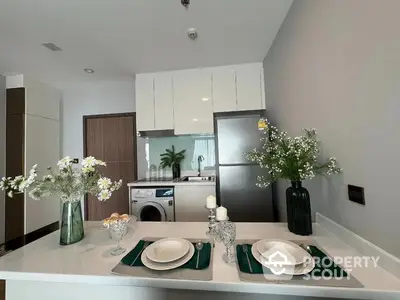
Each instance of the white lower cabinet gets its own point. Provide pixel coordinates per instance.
(190, 201)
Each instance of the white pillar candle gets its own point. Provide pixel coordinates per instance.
(211, 202)
(222, 213)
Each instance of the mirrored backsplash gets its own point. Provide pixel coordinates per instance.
(195, 145)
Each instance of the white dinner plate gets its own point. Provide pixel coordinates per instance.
(167, 250)
(300, 269)
(294, 253)
(170, 265)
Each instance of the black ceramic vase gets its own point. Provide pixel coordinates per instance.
(298, 209)
(176, 171)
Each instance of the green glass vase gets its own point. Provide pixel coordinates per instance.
(71, 230)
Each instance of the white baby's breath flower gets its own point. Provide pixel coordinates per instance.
(64, 163)
(104, 183)
(10, 194)
(104, 195)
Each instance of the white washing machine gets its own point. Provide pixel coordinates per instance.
(153, 203)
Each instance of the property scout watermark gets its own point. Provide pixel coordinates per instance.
(282, 263)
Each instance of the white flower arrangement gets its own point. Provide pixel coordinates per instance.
(292, 158)
(70, 184)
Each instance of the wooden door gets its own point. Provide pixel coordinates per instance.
(111, 138)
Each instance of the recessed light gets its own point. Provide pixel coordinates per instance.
(195, 120)
(87, 70)
(205, 99)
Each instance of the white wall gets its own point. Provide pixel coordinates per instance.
(14, 81)
(335, 66)
(42, 147)
(2, 152)
(103, 97)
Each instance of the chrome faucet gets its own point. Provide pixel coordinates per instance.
(200, 158)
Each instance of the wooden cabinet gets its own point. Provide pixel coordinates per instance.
(145, 102)
(248, 86)
(163, 101)
(193, 109)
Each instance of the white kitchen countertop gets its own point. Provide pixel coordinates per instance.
(89, 261)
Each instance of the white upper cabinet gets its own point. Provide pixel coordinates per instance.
(186, 100)
(249, 87)
(193, 109)
(163, 101)
(145, 102)
(224, 89)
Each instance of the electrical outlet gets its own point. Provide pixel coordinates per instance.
(356, 194)
(75, 161)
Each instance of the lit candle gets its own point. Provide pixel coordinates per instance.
(222, 213)
(211, 202)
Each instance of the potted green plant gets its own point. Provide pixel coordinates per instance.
(171, 159)
(294, 159)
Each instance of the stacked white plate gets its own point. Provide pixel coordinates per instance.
(167, 254)
(293, 259)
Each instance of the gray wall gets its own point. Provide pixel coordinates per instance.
(335, 66)
(2, 150)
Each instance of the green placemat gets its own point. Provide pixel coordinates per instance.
(257, 268)
(204, 257)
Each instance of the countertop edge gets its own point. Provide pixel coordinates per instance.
(240, 287)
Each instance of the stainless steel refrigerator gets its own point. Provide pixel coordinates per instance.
(235, 134)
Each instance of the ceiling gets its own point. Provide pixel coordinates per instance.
(120, 37)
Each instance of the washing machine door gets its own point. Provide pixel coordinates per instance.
(153, 212)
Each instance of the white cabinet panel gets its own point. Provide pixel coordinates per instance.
(42, 147)
(193, 110)
(145, 102)
(163, 101)
(248, 79)
(224, 89)
(190, 201)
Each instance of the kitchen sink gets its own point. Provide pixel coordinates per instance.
(197, 178)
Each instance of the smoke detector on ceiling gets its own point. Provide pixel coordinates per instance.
(88, 70)
(192, 33)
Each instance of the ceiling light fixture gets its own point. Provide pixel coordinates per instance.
(89, 71)
(205, 99)
(195, 120)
